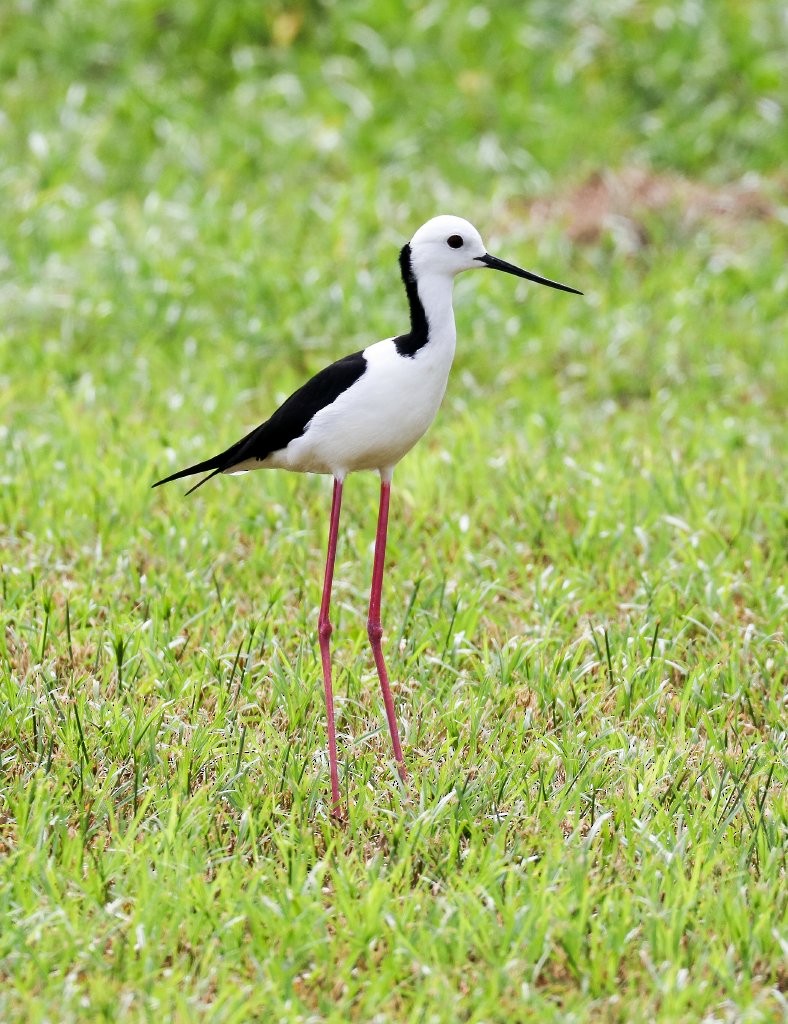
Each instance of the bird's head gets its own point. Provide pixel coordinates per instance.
(447, 245)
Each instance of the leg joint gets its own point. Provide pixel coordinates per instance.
(374, 631)
(324, 630)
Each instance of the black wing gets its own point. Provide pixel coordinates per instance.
(288, 422)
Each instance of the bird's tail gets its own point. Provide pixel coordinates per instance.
(215, 465)
(226, 460)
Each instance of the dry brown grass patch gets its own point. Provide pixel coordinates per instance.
(621, 201)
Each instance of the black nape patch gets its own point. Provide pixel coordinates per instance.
(419, 334)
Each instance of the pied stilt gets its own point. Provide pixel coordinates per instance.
(365, 412)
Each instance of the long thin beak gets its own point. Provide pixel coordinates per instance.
(509, 268)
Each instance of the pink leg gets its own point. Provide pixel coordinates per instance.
(324, 629)
(374, 628)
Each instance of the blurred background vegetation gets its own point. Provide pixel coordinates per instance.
(200, 203)
(225, 175)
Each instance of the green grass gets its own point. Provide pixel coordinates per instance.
(200, 204)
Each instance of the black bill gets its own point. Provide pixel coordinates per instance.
(509, 268)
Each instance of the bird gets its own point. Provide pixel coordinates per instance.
(365, 412)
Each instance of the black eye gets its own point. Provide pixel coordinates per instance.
(455, 241)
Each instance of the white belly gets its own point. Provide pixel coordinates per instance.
(378, 419)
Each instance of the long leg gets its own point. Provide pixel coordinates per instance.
(374, 628)
(324, 629)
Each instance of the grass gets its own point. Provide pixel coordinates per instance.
(200, 204)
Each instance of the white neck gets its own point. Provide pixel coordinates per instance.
(435, 293)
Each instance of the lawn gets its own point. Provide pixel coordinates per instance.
(200, 205)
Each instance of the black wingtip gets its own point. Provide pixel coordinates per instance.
(190, 471)
(199, 483)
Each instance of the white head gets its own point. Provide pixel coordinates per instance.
(446, 245)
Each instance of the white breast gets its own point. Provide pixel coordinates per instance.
(379, 418)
